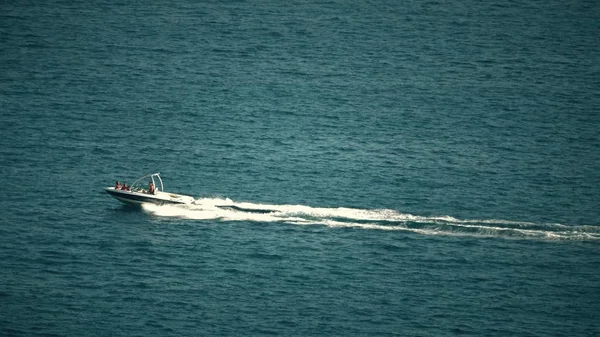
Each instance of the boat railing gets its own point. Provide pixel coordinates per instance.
(137, 185)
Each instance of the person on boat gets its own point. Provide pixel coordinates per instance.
(118, 185)
(151, 188)
(125, 187)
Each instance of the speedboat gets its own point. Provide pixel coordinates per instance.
(148, 189)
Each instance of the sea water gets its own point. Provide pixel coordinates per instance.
(370, 168)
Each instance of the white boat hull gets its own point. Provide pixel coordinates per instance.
(138, 198)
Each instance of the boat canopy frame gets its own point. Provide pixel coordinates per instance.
(136, 186)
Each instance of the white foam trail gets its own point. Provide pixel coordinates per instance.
(377, 219)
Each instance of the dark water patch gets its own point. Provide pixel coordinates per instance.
(265, 256)
(233, 271)
(249, 210)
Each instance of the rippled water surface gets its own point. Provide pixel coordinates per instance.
(359, 169)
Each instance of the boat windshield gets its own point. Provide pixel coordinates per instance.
(142, 184)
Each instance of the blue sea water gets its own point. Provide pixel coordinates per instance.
(398, 168)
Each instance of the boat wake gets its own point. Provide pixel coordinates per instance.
(378, 219)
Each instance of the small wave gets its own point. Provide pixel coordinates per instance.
(375, 219)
